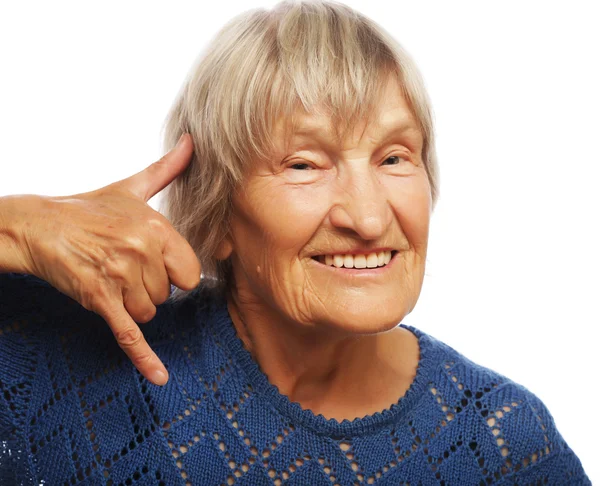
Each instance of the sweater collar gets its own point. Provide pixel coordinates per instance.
(367, 425)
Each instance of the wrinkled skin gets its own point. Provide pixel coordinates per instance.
(111, 252)
(312, 326)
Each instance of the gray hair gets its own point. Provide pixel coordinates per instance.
(262, 66)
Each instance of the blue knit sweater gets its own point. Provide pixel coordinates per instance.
(74, 410)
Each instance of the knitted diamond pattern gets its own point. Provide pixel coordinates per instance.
(74, 410)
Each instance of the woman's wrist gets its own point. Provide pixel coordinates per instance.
(16, 212)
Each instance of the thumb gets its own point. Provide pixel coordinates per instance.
(161, 173)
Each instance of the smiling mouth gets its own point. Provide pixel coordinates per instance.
(359, 261)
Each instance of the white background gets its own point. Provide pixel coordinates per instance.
(512, 277)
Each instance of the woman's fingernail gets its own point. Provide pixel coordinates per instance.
(158, 377)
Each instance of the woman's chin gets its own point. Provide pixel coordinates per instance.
(367, 319)
(372, 307)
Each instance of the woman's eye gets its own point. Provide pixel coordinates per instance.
(300, 166)
(394, 160)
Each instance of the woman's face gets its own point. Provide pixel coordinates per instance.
(313, 229)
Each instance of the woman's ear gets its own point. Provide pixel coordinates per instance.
(225, 249)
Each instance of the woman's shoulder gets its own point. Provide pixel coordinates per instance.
(62, 367)
(24, 296)
(36, 319)
(48, 337)
(495, 417)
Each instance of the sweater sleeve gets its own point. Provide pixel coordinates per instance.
(554, 463)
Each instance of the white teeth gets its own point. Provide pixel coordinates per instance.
(348, 261)
(338, 261)
(372, 260)
(360, 261)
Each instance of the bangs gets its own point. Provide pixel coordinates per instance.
(305, 64)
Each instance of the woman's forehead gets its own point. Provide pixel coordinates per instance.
(392, 123)
(391, 114)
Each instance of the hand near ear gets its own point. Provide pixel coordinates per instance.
(110, 251)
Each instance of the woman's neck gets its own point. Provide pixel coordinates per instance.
(338, 375)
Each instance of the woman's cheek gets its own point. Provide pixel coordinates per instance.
(410, 199)
(295, 213)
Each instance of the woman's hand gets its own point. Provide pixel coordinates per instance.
(110, 251)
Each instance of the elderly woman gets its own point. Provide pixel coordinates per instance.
(301, 187)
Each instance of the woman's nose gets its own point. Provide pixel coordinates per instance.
(362, 206)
